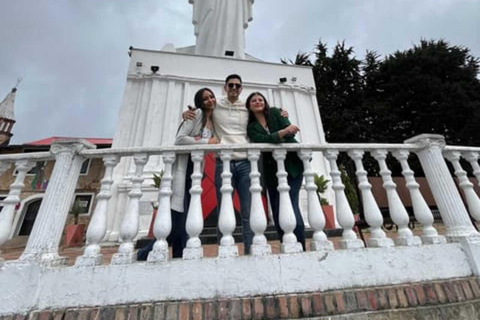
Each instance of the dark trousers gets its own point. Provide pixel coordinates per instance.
(295, 185)
(178, 236)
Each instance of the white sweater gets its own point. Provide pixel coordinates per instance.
(230, 121)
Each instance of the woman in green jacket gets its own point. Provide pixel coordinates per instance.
(266, 125)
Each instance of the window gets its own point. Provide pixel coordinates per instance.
(85, 167)
(84, 202)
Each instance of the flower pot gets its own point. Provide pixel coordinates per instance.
(74, 235)
(329, 217)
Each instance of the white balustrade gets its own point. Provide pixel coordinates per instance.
(43, 242)
(226, 219)
(163, 222)
(449, 202)
(471, 197)
(98, 223)
(258, 218)
(373, 216)
(194, 224)
(422, 212)
(287, 218)
(397, 210)
(344, 211)
(129, 229)
(13, 198)
(316, 216)
(472, 157)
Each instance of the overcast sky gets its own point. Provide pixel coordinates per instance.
(72, 54)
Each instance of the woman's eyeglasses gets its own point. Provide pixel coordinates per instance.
(234, 85)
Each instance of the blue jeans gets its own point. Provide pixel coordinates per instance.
(295, 185)
(240, 170)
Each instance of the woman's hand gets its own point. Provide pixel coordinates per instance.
(288, 131)
(189, 114)
(213, 140)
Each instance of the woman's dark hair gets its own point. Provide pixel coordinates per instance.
(198, 100)
(251, 116)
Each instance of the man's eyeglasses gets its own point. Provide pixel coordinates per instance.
(234, 85)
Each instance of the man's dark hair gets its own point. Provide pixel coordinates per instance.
(233, 76)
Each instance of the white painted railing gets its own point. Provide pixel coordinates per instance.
(43, 244)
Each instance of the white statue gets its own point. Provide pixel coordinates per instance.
(220, 26)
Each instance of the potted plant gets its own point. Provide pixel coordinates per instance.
(157, 181)
(75, 232)
(322, 185)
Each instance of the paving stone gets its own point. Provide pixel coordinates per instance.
(120, 313)
(94, 313)
(402, 298)
(246, 308)
(134, 312)
(197, 311)
(71, 314)
(270, 308)
(330, 303)
(20, 317)
(293, 306)
(362, 301)
(431, 296)
(467, 290)
(222, 310)
(210, 310)
(340, 302)
(59, 314)
(318, 305)
(392, 298)
(411, 297)
(420, 293)
(107, 313)
(33, 316)
(84, 314)
(45, 315)
(184, 311)
(282, 307)
(442, 298)
(172, 311)
(449, 290)
(158, 311)
(235, 309)
(146, 312)
(305, 305)
(350, 301)
(475, 287)
(372, 300)
(459, 292)
(6, 318)
(382, 299)
(258, 308)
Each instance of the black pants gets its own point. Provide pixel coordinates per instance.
(178, 236)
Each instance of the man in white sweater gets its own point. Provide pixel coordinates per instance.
(230, 120)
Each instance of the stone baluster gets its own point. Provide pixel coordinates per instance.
(98, 224)
(472, 157)
(42, 245)
(128, 231)
(471, 197)
(373, 216)
(398, 213)
(258, 218)
(344, 211)
(287, 218)
(420, 207)
(449, 202)
(194, 224)
(163, 222)
(13, 198)
(226, 219)
(316, 217)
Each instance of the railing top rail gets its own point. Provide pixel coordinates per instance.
(462, 149)
(123, 152)
(35, 156)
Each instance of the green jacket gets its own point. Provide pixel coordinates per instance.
(256, 133)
